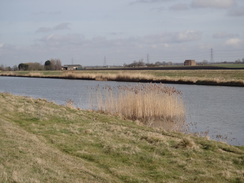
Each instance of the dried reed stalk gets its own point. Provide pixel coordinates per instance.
(153, 104)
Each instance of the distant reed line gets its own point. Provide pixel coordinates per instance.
(131, 77)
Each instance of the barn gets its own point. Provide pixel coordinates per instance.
(71, 67)
(190, 63)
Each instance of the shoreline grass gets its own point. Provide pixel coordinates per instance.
(41, 141)
(196, 77)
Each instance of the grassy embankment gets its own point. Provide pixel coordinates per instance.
(44, 142)
(201, 77)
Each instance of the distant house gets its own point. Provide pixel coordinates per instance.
(190, 63)
(71, 67)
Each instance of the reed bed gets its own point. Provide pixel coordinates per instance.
(205, 77)
(155, 105)
(117, 76)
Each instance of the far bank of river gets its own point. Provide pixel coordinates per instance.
(190, 77)
(217, 111)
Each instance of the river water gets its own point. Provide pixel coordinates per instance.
(214, 110)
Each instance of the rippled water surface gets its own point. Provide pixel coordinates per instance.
(216, 110)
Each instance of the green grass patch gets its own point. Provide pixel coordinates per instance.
(229, 65)
(44, 142)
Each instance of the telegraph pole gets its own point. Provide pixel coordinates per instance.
(148, 58)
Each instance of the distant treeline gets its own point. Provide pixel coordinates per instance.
(141, 63)
(52, 64)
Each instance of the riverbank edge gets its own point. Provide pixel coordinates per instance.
(142, 80)
(176, 156)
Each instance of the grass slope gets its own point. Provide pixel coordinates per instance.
(44, 142)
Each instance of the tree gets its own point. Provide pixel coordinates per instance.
(34, 66)
(204, 62)
(56, 63)
(23, 66)
(53, 64)
(158, 63)
(238, 61)
(29, 66)
(15, 68)
(139, 63)
(48, 65)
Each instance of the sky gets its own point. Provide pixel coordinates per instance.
(117, 32)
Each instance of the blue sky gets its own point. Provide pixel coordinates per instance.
(121, 30)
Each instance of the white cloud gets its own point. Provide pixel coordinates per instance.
(223, 35)
(91, 50)
(57, 40)
(175, 37)
(1, 45)
(6, 46)
(213, 3)
(234, 42)
(179, 7)
(159, 9)
(237, 11)
(187, 36)
(165, 39)
(149, 1)
(49, 13)
(61, 26)
(44, 29)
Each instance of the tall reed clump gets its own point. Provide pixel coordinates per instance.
(153, 104)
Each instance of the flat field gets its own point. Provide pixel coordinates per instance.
(226, 77)
(44, 142)
(229, 65)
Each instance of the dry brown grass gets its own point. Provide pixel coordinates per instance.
(44, 142)
(153, 104)
(206, 77)
(200, 77)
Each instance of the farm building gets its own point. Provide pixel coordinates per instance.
(71, 67)
(190, 62)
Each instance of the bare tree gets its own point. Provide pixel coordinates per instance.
(53, 64)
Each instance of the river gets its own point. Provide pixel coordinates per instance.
(214, 110)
